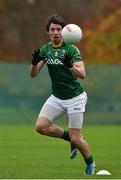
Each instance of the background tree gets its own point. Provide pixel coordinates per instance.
(22, 27)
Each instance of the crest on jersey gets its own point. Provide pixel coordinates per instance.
(56, 53)
(63, 51)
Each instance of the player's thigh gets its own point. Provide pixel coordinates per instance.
(50, 112)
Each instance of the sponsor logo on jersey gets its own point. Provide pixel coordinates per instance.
(54, 61)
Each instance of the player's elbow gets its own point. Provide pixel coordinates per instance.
(82, 75)
(33, 71)
(32, 75)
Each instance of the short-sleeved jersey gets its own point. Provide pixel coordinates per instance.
(65, 85)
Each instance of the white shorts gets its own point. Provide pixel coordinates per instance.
(55, 108)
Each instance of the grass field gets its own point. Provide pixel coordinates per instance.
(24, 154)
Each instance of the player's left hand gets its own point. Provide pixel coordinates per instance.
(67, 61)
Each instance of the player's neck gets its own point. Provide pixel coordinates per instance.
(57, 44)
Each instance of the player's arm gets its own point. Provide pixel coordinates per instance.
(36, 64)
(34, 69)
(78, 68)
(73, 61)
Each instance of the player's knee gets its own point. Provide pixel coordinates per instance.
(41, 125)
(39, 128)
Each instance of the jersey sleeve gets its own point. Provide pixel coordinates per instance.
(75, 53)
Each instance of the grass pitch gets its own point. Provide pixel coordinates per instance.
(24, 154)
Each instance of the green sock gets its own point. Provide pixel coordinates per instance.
(89, 160)
(66, 136)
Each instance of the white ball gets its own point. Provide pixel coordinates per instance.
(71, 33)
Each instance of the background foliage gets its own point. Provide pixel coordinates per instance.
(22, 27)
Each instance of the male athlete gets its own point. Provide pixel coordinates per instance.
(66, 68)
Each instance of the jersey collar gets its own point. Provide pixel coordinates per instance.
(57, 46)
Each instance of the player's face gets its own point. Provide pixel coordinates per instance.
(55, 33)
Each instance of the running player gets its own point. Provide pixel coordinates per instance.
(66, 68)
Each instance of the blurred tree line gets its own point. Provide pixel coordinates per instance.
(22, 27)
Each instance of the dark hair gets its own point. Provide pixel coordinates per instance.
(55, 19)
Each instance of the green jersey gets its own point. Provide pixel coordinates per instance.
(65, 85)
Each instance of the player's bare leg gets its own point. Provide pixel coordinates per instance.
(45, 127)
(79, 142)
(83, 147)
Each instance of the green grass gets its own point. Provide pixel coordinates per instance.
(24, 154)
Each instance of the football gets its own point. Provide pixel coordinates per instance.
(71, 33)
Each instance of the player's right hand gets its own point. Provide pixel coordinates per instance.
(36, 57)
(67, 61)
